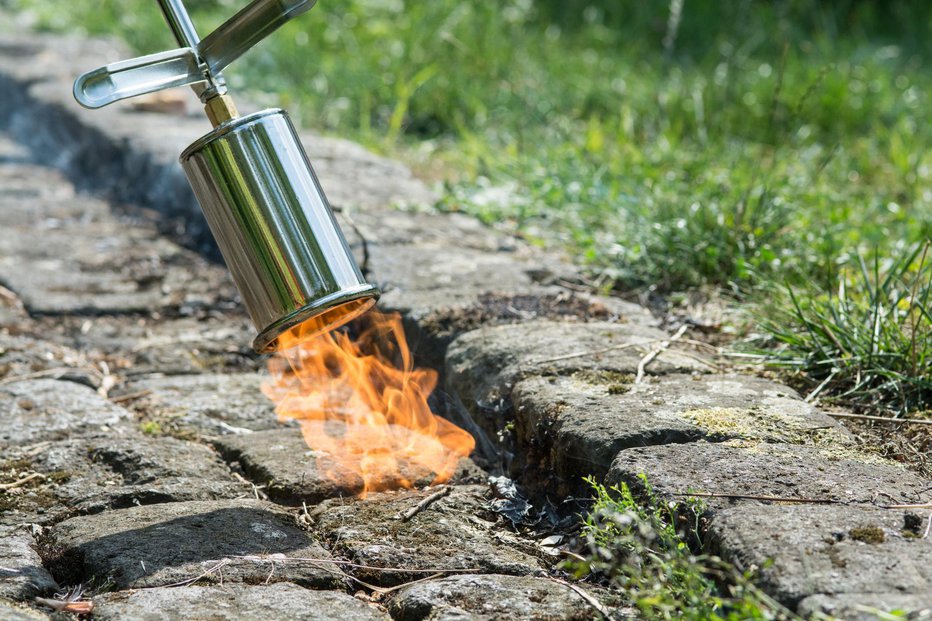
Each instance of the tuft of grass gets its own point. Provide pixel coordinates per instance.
(642, 549)
(869, 342)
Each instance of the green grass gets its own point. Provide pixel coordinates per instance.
(642, 548)
(869, 342)
(755, 143)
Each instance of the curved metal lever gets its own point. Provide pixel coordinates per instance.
(245, 29)
(187, 65)
(138, 76)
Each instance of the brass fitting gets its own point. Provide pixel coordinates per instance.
(220, 109)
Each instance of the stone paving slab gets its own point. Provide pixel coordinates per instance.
(13, 611)
(47, 409)
(289, 472)
(211, 404)
(142, 346)
(22, 575)
(801, 551)
(273, 602)
(108, 471)
(280, 461)
(163, 544)
(64, 266)
(485, 363)
(457, 532)
(568, 427)
(22, 356)
(764, 469)
(868, 606)
(487, 598)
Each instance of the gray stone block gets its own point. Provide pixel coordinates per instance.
(568, 427)
(290, 472)
(868, 606)
(489, 597)
(22, 575)
(802, 551)
(456, 532)
(209, 404)
(13, 611)
(46, 409)
(755, 468)
(273, 602)
(163, 544)
(107, 471)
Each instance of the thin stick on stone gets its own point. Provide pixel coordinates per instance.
(881, 419)
(594, 352)
(922, 505)
(421, 506)
(652, 354)
(131, 396)
(800, 500)
(797, 499)
(23, 481)
(589, 599)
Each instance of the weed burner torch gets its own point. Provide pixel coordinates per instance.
(251, 176)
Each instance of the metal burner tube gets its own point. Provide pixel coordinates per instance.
(275, 228)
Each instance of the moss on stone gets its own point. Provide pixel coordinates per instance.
(755, 424)
(616, 382)
(867, 534)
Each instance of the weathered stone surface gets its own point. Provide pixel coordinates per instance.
(213, 404)
(63, 266)
(13, 611)
(281, 461)
(108, 471)
(46, 409)
(832, 550)
(22, 575)
(291, 473)
(868, 606)
(134, 346)
(764, 469)
(483, 366)
(455, 532)
(158, 545)
(568, 427)
(274, 602)
(489, 597)
(22, 355)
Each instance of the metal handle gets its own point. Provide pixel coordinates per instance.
(202, 61)
(138, 76)
(245, 29)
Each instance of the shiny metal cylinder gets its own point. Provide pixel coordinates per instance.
(275, 228)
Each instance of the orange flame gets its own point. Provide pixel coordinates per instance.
(364, 416)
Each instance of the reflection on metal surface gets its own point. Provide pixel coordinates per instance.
(274, 227)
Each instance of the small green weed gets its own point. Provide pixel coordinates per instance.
(643, 550)
(870, 343)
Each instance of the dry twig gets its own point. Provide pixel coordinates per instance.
(797, 499)
(131, 396)
(20, 482)
(407, 514)
(652, 354)
(801, 500)
(881, 419)
(589, 599)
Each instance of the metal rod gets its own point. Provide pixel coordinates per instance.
(186, 35)
(180, 23)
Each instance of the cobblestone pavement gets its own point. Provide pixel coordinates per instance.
(138, 454)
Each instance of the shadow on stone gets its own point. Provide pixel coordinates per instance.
(159, 545)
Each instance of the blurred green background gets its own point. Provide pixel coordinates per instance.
(666, 146)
